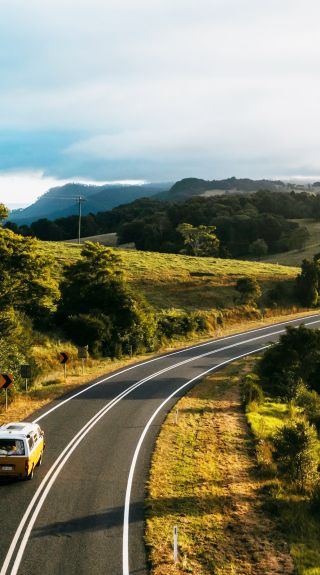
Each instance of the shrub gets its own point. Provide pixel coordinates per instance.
(310, 402)
(94, 331)
(315, 499)
(248, 289)
(264, 453)
(173, 323)
(15, 344)
(251, 391)
(290, 362)
(295, 451)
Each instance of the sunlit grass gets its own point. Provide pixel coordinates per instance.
(182, 282)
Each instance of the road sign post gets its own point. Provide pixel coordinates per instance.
(83, 354)
(6, 380)
(25, 372)
(63, 357)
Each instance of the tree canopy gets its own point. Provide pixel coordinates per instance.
(240, 220)
(97, 301)
(26, 283)
(295, 359)
(200, 240)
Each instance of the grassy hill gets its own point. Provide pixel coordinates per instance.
(183, 282)
(295, 257)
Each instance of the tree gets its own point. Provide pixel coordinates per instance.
(201, 240)
(15, 342)
(26, 283)
(249, 290)
(96, 297)
(294, 359)
(258, 248)
(307, 283)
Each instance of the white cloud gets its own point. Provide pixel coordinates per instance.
(16, 188)
(162, 80)
(26, 187)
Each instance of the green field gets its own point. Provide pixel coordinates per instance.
(295, 257)
(182, 282)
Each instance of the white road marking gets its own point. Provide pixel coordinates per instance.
(125, 542)
(65, 454)
(61, 403)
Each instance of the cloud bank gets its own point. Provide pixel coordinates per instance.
(159, 90)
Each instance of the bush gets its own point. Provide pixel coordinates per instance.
(251, 391)
(173, 323)
(310, 402)
(15, 344)
(264, 453)
(94, 331)
(290, 362)
(315, 499)
(295, 451)
(248, 289)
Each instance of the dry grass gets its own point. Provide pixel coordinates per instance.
(204, 480)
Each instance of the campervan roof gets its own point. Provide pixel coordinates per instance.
(23, 428)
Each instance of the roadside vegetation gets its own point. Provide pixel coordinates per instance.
(204, 480)
(243, 494)
(120, 304)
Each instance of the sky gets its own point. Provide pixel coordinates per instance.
(156, 90)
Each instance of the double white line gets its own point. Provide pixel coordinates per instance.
(19, 543)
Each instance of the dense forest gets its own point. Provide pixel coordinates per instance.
(246, 224)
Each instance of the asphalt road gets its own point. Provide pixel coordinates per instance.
(83, 513)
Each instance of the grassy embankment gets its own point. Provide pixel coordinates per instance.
(295, 257)
(205, 479)
(167, 281)
(300, 525)
(183, 282)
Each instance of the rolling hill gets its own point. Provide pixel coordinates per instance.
(61, 201)
(189, 187)
(171, 281)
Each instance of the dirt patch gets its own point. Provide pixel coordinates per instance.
(252, 543)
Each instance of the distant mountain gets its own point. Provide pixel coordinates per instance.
(60, 201)
(196, 187)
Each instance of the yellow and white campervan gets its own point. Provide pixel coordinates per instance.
(21, 449)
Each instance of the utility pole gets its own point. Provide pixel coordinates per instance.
(80, 200)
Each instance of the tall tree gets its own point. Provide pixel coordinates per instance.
(97, 301)
(307, 283)
(201, 240)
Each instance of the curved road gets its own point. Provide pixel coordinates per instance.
(84, 511)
